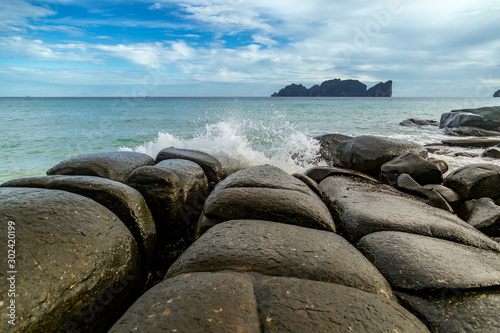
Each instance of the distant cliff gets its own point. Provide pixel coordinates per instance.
(337, 88)
(497, 94)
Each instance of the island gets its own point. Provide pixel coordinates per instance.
(497, 94)
(337, 88)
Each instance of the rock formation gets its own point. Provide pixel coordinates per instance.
(497, 94)
(337, 88)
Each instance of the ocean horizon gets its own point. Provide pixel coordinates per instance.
(39, 132)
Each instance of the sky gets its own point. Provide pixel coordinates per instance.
(429, 48)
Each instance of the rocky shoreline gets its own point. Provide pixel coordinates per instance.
(381, 240)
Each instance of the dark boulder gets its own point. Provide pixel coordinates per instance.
(175, 191)
(459, 119)
(198, 302)
(472, 143)
(314, 186)
(276, 249)
(442, 165)
(475, 181)
(126, 202)
(490, 115)
(412, 122)
(418, 262)
(452, 197)
(115, 165)
(470, 131)
(329, 144)
(492, 152)
(483, 214)
(367, 153)
(77, 263)
(380, 90)
(421, 170)
(263, 176)
(285, 206)
(210, 165)
(294, 305)
(431, 197)
(320, 173)
(455, 310)
(361, 207)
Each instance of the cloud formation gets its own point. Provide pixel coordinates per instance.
(444, 48)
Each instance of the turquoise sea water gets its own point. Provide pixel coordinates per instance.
(37, 133)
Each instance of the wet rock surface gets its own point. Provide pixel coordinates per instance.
(367, 153)
(73, 255)
(416, 262)
(483, 214)
(361, 207)
(421, 170)
(113, 165)
(475, 181)
(281, 250)
(329, 144)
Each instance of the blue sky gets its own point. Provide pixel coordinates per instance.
(246, 48)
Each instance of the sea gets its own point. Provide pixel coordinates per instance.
(38, 133)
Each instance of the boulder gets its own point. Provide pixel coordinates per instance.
(361, 207)
(483, 214)
(490, 115)
(285, 206)
(417, 262)
(126, 202)
(209, 164)
(115, 165)
(320, 173)
(421, 170)
(294, 305)
(263, 176)
(329, 144)
(276, 249)
(310, 183)
(470, 131)
(442, 165)
(452, 197)
(175, 191)
(418, 122)
(77, 264)
(408, 185)
(468, 311)
(492, 152)
(198, 302)
(458, 119)
(367, 153)
(472, 143)
(475, 181)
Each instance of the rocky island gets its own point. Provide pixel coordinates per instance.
(497, 94)
(337, 88)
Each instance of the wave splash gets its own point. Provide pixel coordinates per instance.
(245, 143)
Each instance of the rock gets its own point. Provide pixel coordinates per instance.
(433, 198)
(380, 90)
(452, 197)
(492, 152)
(175, 191)
(294, 305)
(418, 122)
(197, 302)
(268, 204)
(421, 170)
(496, 94)
(310, 183)
(475, 181)
(367, 153)
(263, 176)
(465, 154)
(329, 144)
(361, 207)
(419, 262)
(458, 119)
(469, 311)
(126, 202)
(115, 165)
(320, 173)
(209, 164)
(77, 263)
(276, 249)
(490, 115)
(442, 165)
(472, 143)
(484, 215)
(470, 131)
